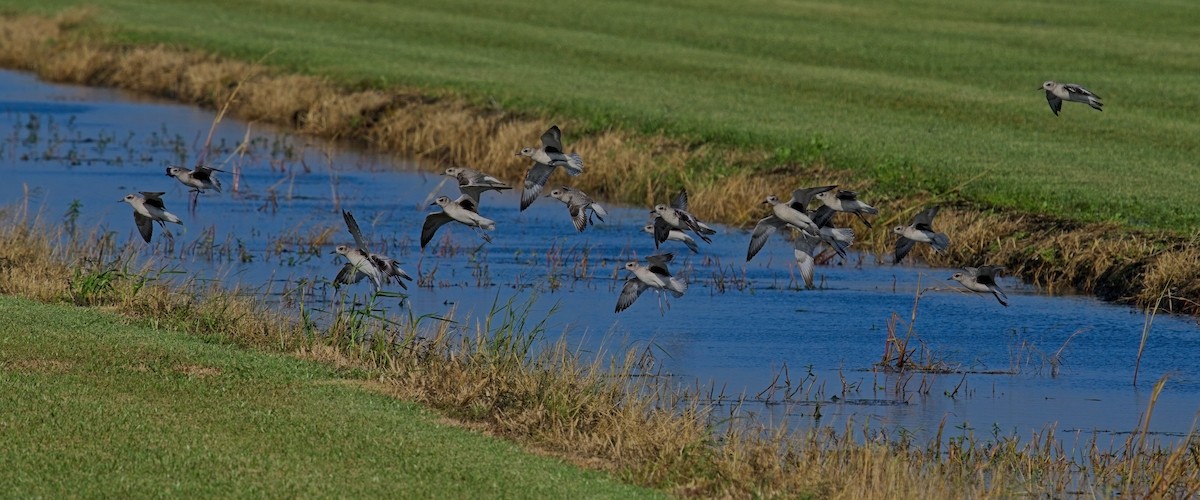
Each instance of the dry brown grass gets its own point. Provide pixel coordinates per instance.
(501, 375)
(726, 185)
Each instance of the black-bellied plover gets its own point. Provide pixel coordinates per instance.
(1056, 93)
(148, 209)
(656, 276)
(199, 180)
(381, 269)
(920, 231)
(677, 216)
(545, 159)
(982, 279)
(463, 210)
(579, 205)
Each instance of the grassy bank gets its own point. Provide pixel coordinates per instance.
(916, 97)
(94, 406)
(502, 373)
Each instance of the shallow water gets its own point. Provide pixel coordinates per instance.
(736, 328)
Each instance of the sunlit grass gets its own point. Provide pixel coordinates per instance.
(919, 96)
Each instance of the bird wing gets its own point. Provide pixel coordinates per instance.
(468, 202)
(681, 200)
(1054, 101)
(352, 225)
(924, 220)
(762, 232)
(903, 246)
(534, 180)
(153, 199)
(845, 194)
(552, 140)
(432, 222)
(1076, 89)
(658, 263)
(805, 249)
(145, 225)
(986, 275)
(629, 293)
(578, 216)
(823, 216)
(662, 230)
(802, 197)
(348, 275)
(389, 267)
(473, 191)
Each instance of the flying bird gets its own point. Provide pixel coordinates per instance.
(361, 263)
(654, 276)
(463, 210)
(782, 216)
(676, 235)
(545, 159)
(847, 201)
(148, 209)
(473, 183)
(199, 180)
(1056, 93)
(982, 279)
(677, 216)
(920, 231)
(579, 205)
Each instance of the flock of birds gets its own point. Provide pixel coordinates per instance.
(810, 229)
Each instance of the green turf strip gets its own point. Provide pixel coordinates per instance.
(917, 95)
(93, 407)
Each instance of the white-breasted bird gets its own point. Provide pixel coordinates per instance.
(804, 248)
(473, 183)
(545, 159)
(982, 279)
(579, 205)
(782, 216)
(1056, 93)
(656, 276)
(677, 216)
(200, 179)
(463, 210)
(920, 231)
(844, 200)
(676, 235)
(148, 209)
(361, 263)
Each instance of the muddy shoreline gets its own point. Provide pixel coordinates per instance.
(1115, 263)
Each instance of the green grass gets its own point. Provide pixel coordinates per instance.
(919, 95)
(93, 407)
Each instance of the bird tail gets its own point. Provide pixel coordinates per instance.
(868, 209)
(599, 211)
(704, 229)
(574, 164)
(843, 235)
(677, 285)
(940, 242)
(487, 224)
(170, 217)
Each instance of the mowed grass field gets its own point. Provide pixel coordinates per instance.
(913, 96)
(96, 408)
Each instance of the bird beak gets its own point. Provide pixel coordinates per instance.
(950, 278)
(1039, 88)
(333, 252)
(433, 204)
(518, 153)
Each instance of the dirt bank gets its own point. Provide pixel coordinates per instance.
(726, 185)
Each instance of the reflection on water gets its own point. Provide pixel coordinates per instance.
(743, 332)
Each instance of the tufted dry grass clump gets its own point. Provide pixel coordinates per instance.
(726, 184)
